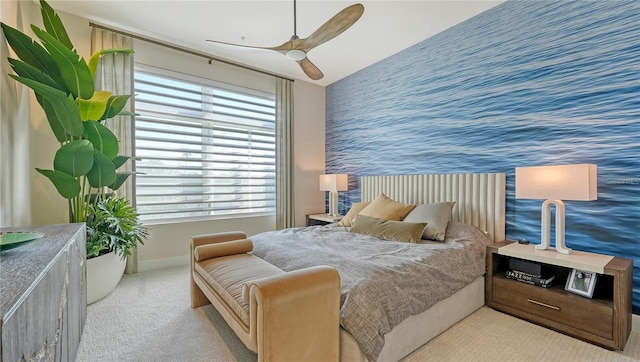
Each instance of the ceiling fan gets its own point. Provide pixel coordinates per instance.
(296, 49)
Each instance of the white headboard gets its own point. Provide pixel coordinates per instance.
(480, 197)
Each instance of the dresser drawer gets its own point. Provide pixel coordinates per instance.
(556, 305)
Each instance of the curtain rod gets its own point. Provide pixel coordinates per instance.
(188, 51)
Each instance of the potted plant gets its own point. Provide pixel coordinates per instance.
(113, 229)
(85, 166)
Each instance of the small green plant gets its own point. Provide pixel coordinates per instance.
(113, 225)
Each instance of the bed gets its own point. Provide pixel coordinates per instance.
(390, 333)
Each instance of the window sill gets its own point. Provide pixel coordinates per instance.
(208, 218)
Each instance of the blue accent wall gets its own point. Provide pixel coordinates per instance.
(525, 83)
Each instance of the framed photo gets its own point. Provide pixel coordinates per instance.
(581, 282)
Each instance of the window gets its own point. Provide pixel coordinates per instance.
(207, 149)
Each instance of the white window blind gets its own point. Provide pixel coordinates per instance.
(207, 149)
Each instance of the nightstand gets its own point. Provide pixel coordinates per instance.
(322, 219)
(604, 320)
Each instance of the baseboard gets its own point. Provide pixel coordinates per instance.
(635, 322)
(156, 264)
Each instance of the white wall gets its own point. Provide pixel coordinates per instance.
(168, 244)
(309, 113)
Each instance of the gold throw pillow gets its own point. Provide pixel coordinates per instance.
(409, 232)
(356, 207)
(386, 208)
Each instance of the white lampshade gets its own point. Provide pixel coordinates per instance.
(556, 183)
(564, 182)
(334, 182)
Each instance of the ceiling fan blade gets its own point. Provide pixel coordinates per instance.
(280, 48)
(333, 27)
(310, 69)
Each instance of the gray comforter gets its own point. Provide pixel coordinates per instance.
(382, 282)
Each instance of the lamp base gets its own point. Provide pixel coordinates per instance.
(333, 203)
(546, 227)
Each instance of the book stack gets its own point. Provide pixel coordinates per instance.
(538, 280)
(528, 272)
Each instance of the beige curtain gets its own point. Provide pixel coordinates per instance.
(16, 131)
(284, 154)
(15, 149)
(115, 74)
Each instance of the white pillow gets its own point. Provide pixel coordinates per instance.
(437, 216)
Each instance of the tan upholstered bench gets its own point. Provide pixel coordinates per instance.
(282, 316)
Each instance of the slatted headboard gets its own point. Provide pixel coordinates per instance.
(480, 197)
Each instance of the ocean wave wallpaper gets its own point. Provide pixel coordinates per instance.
(525, 83)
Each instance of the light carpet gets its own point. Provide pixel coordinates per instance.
(148, 318)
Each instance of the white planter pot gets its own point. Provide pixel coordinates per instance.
(103, 274)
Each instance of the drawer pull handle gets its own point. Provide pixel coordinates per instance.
(542, 304)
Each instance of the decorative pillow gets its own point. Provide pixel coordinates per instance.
(388, 229)
(436, 215)
(385, 208)
(356, 207)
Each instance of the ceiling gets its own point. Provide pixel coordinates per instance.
(385, 28)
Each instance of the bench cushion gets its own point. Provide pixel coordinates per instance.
(209, 251)
(227, 275)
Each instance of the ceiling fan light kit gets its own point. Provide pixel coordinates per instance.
(296, 49)
(296, 54)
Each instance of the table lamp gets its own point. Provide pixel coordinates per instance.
(333, 183)
(556, 183)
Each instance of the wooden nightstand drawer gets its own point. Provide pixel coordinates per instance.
(555, 305)
(604, 320)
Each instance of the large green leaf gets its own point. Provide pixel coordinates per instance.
(93, 62)
(103, 173)
(66, 185)
(121, 177)
(52, 117)
(120, 160)
(102, 138)
(31, 52)
(74, 70)
(63, 105)
(28, 71)
(74, 158)
(127, 113)
(94, 108)
(95, 57)
(53, 24)
(115, 106)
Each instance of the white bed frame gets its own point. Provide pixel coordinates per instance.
(480, 201)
